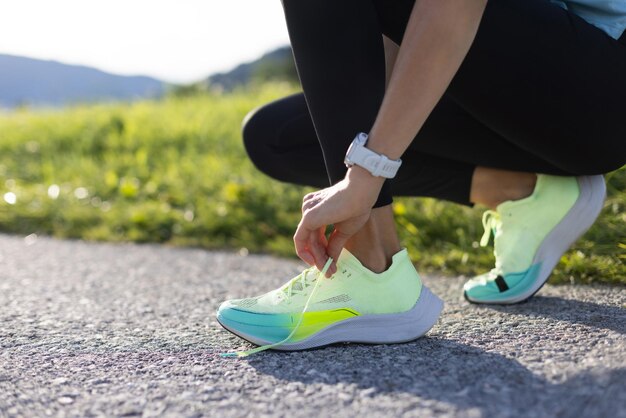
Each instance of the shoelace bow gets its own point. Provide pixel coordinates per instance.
(491, 223)
(306, 306)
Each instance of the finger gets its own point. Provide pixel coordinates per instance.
(314, 240)
(336, 243)
(321, 236)
(301, 240)
(323, 242)
(307, 257)
(310, 247)
(317, 247)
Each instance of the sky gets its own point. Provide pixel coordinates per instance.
(177, 41)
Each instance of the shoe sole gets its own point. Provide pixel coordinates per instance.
(368, 329)
(575, 223)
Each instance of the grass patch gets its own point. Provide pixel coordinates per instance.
(175, 171)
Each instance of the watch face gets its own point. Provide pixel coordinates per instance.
(349, 153)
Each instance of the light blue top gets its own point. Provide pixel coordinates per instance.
(608, 15)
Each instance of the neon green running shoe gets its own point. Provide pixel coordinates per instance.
(531, 235)
(353, 305)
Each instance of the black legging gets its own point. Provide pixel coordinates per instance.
(540, 90)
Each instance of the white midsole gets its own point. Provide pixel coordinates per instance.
(371, 329)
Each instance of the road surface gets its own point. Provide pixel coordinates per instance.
(129, 330)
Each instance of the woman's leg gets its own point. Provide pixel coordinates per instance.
(540, 73)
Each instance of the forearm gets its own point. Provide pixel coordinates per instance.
(438, 35)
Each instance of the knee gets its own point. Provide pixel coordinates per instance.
(250, 132)
(256, 135)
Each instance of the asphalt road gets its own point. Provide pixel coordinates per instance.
(126, 330)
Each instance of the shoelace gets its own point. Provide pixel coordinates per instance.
(491, 222)
(303, 279)
(306, 306)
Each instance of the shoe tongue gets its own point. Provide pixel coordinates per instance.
(346, 257)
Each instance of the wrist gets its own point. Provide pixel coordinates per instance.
(363, 178)
(381, 147)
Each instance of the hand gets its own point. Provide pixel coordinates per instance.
(346, 205)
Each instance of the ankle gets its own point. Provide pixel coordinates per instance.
(491, 187)
(377, 242)
(523, 186)
(376, 259)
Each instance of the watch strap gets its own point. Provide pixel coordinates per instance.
(378, 165)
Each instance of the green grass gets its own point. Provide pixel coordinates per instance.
(175, 171)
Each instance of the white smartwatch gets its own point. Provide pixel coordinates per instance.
(377, 164)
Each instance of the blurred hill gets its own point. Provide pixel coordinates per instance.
(27, 81)
(276, 65)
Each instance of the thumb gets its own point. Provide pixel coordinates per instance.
(336, 243)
